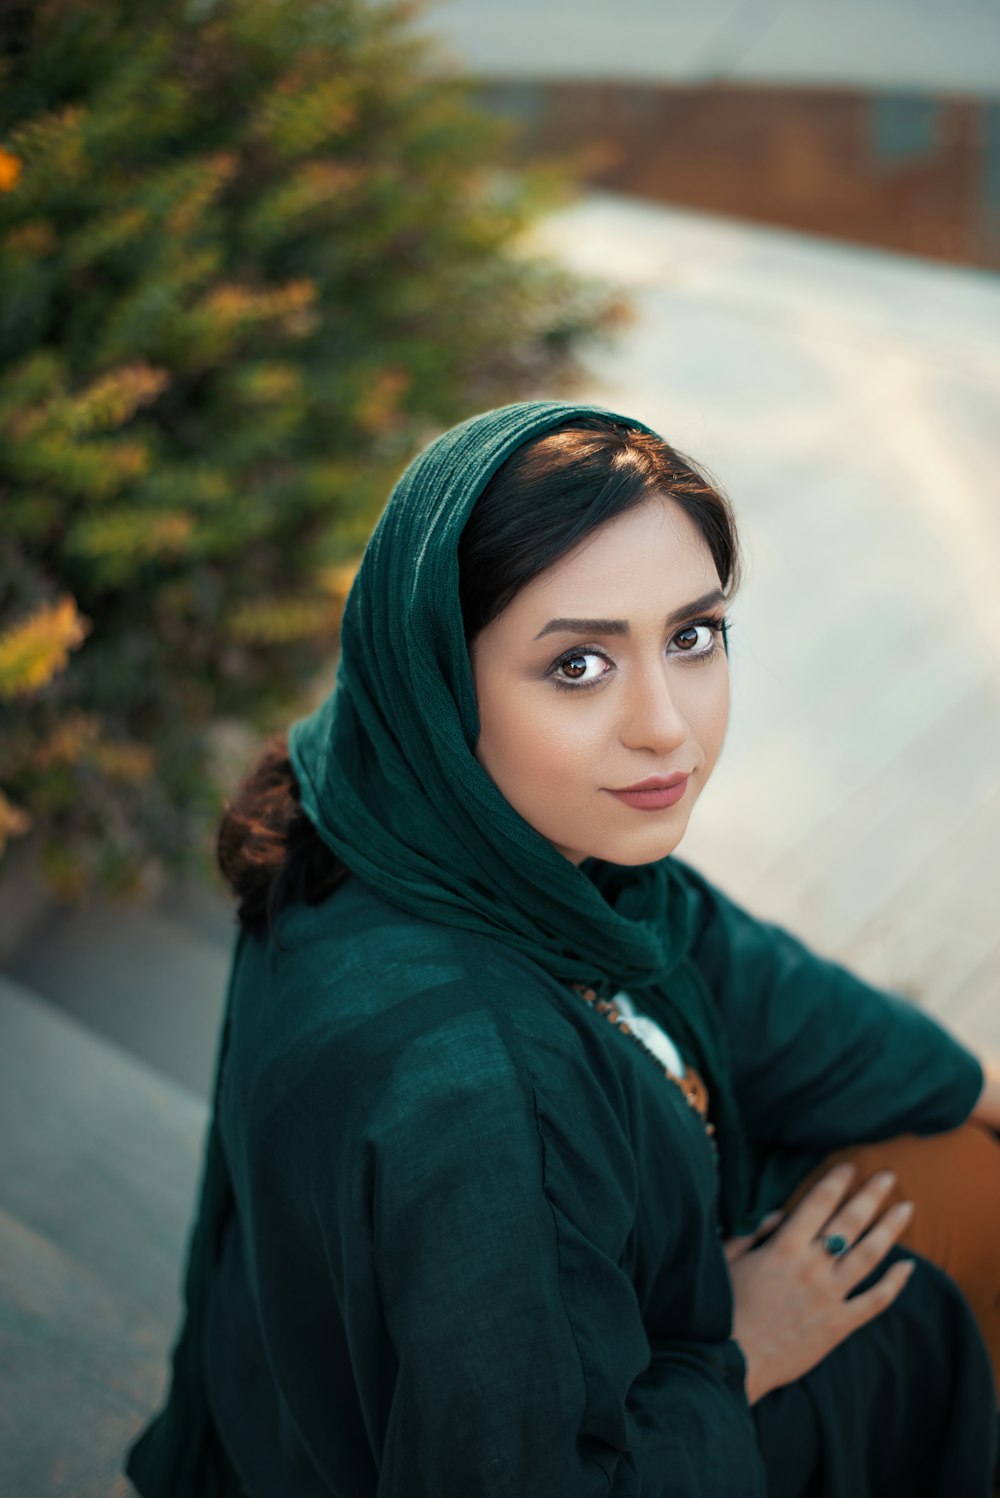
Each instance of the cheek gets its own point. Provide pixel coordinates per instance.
(707, 707)
(531, 741)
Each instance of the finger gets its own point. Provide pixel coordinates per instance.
(735, 1248)
(856, 1214)
(873, 1247)
(871, 1303)
(768, 1226)
(807, 1218)
(769, 1223)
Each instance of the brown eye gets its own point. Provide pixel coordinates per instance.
(698, 640)
(569, 673)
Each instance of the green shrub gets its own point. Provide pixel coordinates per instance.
(252, 255)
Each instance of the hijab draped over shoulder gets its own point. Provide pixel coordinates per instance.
(389, 778)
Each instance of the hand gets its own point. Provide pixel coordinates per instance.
(790, 1294)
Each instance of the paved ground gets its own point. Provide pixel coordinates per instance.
(849, 400)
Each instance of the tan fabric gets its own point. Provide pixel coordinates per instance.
(953, 1179)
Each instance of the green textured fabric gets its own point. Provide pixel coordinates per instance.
(389, 778)
(468, 1244)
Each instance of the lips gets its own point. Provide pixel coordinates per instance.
(655, 793)
(656, 782)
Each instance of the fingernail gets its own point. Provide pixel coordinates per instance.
(885, 1179)
(903, 1209)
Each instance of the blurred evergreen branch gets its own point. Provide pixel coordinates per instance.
(253, 253)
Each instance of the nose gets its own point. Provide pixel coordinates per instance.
(652, 718)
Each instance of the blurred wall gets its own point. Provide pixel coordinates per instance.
(906, 170)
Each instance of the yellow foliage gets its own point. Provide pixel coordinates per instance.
(54, 143)
(217, 170)
(34, 651)
(96, 469)
(14, 821)
(65, 873)
(78, 739)
(106, 403)
(124, 461)
(338, 580)
(271, 383)
(114, 399)
(301, 114)
(276, 621)
(67, 743)
(313, 185)
(10, 171)
(328, 179)
(378, 407)
(126, 761)
(134, 534)
(111, 231)
(236, 304)
(33, 239)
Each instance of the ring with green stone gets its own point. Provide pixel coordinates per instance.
(836, 1245)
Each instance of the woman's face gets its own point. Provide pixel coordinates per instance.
(606, 669)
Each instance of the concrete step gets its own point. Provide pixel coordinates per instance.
(151, 979)
(99, 1172)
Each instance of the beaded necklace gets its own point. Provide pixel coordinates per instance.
(691, 1085)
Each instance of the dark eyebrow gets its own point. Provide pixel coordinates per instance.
(620, 626)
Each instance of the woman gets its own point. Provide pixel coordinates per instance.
(509, 1100)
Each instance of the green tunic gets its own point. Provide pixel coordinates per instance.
(475, 1247)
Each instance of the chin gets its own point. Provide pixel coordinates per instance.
(652, 855)
(631, 852)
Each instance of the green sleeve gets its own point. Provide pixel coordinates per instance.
(506, 1192)
(820, 1058)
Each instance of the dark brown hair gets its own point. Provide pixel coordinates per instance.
(548, 495)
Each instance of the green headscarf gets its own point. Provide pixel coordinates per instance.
(389, 778)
